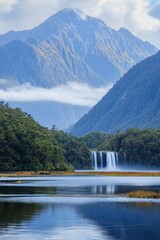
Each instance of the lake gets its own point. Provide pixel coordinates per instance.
(78, 208)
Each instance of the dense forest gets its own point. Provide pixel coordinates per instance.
(97, 140)
(74, 151)
(142, 147)
(135, 147)
(25, 145)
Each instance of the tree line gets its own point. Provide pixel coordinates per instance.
(135, 147)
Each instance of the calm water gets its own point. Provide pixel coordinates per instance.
(78, 208)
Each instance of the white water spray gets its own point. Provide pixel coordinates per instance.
(104, 160)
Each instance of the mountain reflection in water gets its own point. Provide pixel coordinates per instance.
(86, 219)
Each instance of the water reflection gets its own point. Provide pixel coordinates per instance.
(91, 220)
(94, 190)
(87, 221)
(105, 190)
(125, 220)
(16, 213)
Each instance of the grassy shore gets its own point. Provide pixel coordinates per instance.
(143, 194)
(57, 173)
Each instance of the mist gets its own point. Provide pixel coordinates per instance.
(72, 93)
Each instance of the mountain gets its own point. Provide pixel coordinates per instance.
(68, 47)
(43, 65)
(134, 101)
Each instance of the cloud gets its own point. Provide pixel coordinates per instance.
(131, 14)
(134, 15)
(72, 93)
(7, 5)
(4, 82)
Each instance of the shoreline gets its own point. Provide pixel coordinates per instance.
(59, 173)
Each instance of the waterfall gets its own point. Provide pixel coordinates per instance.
(104, 160)
(94, 159)
(101, 159)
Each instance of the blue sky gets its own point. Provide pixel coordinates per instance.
(141, 17)
(154, 1)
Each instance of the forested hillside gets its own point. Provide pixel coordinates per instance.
(75, 151)
(25, 145)
(135, 147)
(142, 147)
(97, 140)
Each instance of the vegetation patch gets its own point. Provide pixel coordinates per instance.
(141, 147)
(143, 194)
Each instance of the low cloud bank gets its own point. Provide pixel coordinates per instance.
(72, 93)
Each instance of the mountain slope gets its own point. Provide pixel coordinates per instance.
(41, 64)
(69, 45)
(134, 101)
(50, 113)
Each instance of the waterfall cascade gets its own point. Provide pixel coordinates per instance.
(104, 160)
